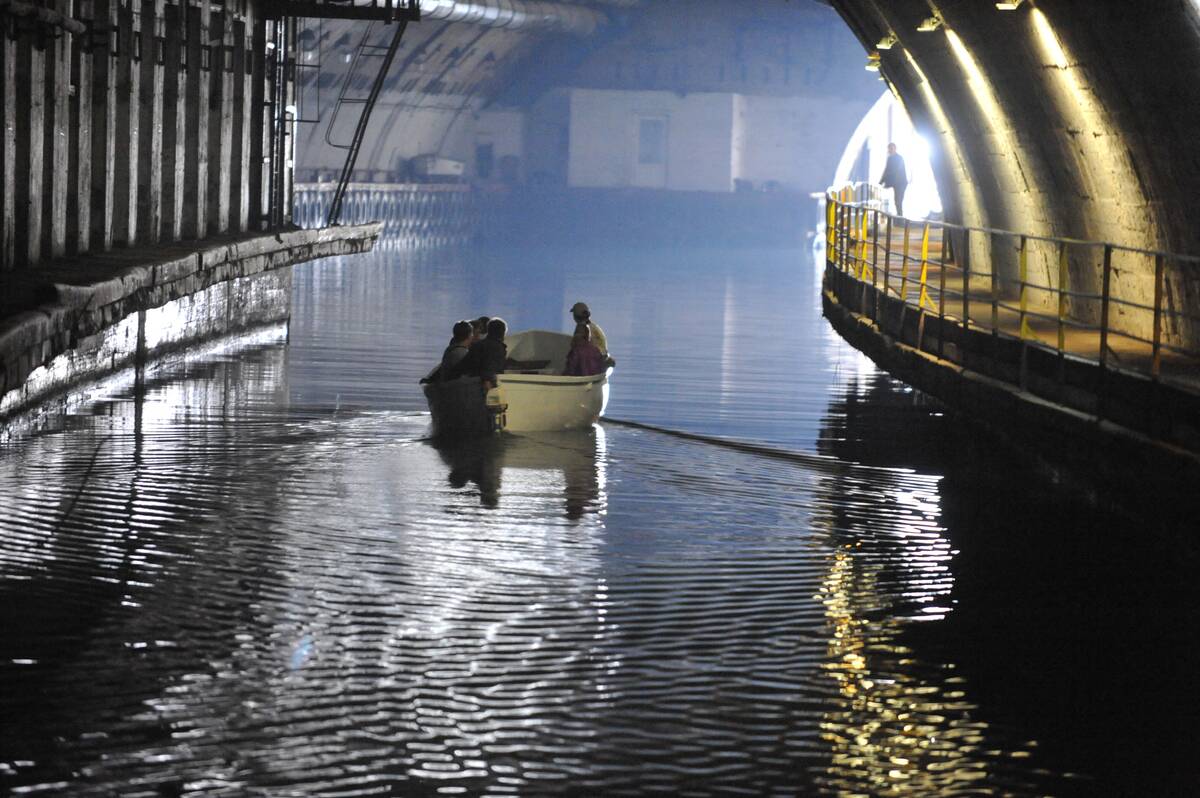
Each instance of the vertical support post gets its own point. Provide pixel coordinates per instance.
(874, 245)
(30, 141)
(79, 170)
(195, 156)
(258, 125)
(994, 278)
(55, 148)
(239, 198)
(271, 147)
(1062, 298)
(288, 200)
(1105, 296)
(125, 174)
(904, 265)
(947, 237)
(862, 244)
(831, 226)
(104, 115)
(8, 152)
(1156, 346)
(1023, 329)
(1062, 311)
(841, 236)
(875, 263)
(174, 119)
(220, 123)
(831, 206)
(963, 344)
(856, 241)
(150, 157)
(923, 296)
(887, 258)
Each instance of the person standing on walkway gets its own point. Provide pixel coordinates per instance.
(895, 177)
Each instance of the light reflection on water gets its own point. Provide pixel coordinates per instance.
(261, 578)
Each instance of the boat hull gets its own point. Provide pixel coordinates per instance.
(532, 398)
(530, 402)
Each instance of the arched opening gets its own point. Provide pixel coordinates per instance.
(863, 158)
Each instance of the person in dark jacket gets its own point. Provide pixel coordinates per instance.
(457, 350)
(486, 357)
(895, 177)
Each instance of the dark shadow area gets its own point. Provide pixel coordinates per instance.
(1073, 620)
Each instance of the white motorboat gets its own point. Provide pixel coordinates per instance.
(532, 395)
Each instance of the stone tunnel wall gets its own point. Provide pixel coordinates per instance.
(1072, 118)
(118, 310)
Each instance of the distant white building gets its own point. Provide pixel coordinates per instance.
(700, 141)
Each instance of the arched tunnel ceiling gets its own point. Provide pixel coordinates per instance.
(445, 70)
(1062, 117)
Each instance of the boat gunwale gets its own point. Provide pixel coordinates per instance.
(557, 380)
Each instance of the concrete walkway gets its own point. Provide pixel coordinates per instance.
(1079, 339)
(63, 306)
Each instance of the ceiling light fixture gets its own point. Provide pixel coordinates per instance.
(931, 24)
(887, 42)
(1008, 5)
(872, 62)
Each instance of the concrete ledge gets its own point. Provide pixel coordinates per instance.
(64, 306)
(1103, 451)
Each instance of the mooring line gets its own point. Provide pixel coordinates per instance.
(810, 459)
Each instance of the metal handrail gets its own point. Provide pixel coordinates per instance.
(861, 241)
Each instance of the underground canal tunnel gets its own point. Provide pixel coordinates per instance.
(868, 466)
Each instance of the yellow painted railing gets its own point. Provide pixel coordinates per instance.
(1020, 286)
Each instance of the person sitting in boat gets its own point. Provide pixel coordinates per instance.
(582, 315)
(485, 359)
(459, 346)
(584, 359)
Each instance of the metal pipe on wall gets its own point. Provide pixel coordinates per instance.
(517, 14)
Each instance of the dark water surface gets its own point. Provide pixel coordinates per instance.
(259, 577)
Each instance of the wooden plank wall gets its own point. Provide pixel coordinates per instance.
(154, 126)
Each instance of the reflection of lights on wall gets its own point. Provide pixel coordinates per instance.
(981, 89)
(1106, 161)
(1009, 170)
(972, 215)
(1051, 47)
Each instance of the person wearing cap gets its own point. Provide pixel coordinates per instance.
(581, 314)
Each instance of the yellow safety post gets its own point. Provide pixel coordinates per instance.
(923, 298)
(1062, 296)
(904, 266)
(862, 248)
(1023, 272)
(830, 226)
